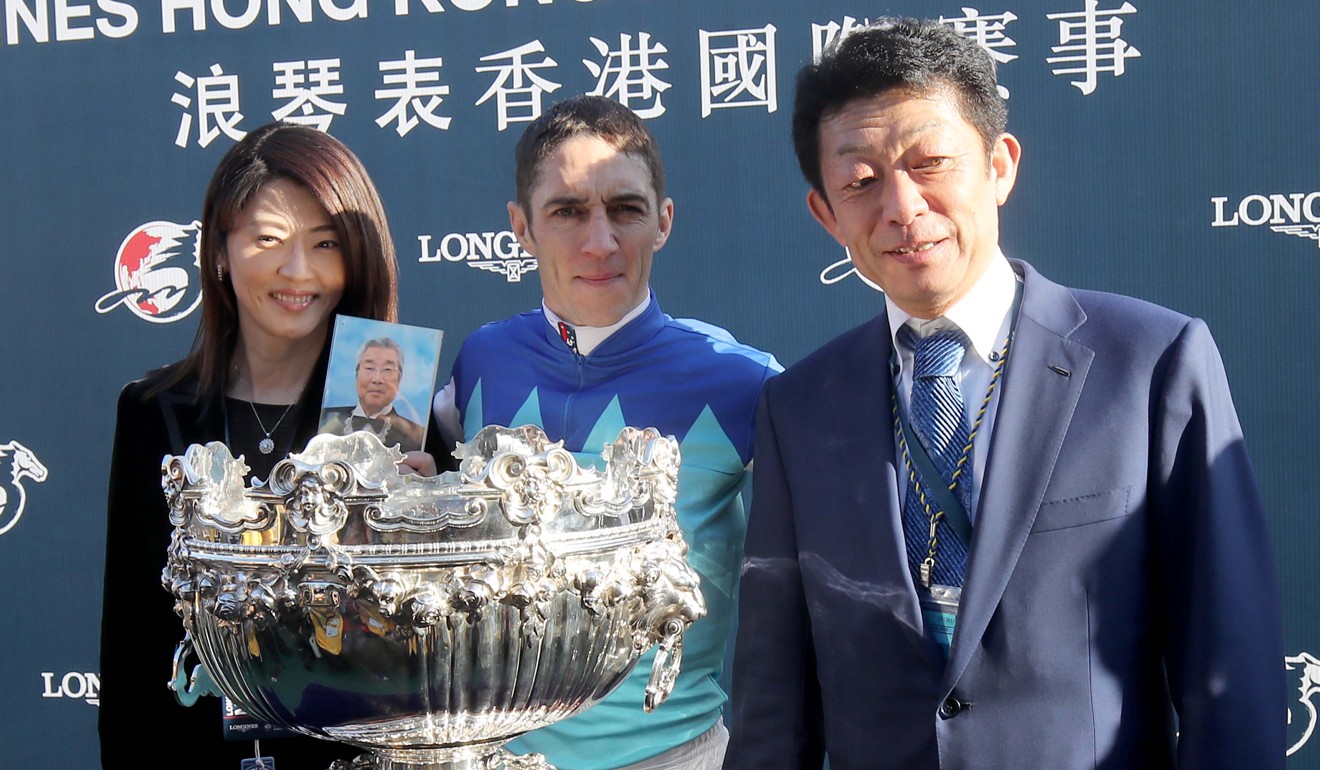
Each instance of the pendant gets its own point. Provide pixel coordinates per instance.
(266, 446)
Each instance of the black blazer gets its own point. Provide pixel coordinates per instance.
(139, 628)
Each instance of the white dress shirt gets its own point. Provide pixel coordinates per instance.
(985, 316)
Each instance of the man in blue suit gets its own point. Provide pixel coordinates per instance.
(1078, 572)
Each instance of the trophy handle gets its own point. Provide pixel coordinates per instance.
(188, 688)
(664, 670)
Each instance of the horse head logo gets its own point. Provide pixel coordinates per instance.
(21, 464)
(1302, 712)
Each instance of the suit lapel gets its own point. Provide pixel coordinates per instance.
(866, 418)
(186, 420)
(1034, 413)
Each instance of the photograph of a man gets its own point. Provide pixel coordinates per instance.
(378, 372)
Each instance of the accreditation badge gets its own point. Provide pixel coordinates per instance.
(242, 726)
(939, 612)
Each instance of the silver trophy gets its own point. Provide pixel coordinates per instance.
(431, 620)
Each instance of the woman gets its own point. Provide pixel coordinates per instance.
(293, 232)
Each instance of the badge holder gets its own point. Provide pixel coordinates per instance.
(939, 613)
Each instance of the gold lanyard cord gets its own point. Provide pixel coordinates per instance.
(933, 513)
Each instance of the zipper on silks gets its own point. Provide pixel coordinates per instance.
(581, 361)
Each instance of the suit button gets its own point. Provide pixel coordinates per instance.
(951, 707)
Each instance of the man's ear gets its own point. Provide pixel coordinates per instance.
(820, 209)
(521, 227)
(666, 223)
(1004, 165)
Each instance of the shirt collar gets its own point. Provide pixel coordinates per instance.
(982, 314)
(590, 337)
(358, 411)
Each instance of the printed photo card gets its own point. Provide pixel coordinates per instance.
(381, 379)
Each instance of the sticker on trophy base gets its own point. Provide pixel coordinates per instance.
(242, 726)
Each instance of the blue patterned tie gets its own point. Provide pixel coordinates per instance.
(936, 415)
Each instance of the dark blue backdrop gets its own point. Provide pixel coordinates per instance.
(1183, 169)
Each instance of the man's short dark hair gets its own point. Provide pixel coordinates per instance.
(597, 116)
(913, 54)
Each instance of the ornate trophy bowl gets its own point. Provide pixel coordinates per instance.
(430, 620)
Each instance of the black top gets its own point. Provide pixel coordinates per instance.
(244, 432)
(139, 719)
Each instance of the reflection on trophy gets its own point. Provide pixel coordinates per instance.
(431, 620)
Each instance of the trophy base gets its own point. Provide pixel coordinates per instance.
(480, 757)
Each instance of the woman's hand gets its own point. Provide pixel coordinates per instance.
(420, 463)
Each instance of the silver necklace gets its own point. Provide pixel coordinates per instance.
(267, 444)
